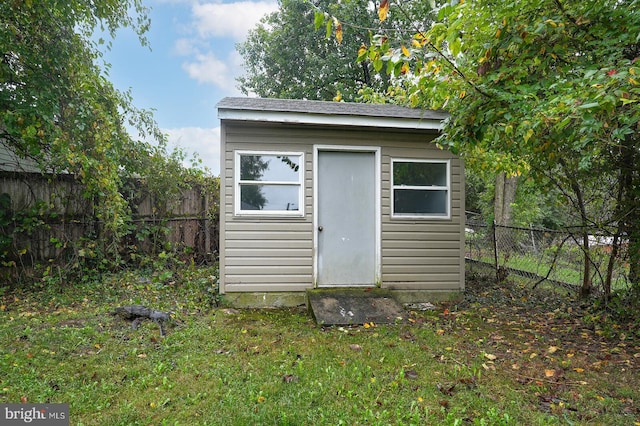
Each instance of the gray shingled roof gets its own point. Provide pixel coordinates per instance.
(329, 108)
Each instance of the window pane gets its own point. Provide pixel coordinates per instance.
(413, 201)
(269, 197)
(419, 174)
(273, 168)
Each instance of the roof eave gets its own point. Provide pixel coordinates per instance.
(330, 119)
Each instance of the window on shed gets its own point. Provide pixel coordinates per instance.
(269, 183)
(421, 188)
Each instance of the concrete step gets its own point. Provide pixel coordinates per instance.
(351, 306)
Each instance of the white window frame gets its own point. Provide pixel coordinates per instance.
(447, 188)
(237, 183)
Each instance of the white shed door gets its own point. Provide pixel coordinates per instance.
(346, 218)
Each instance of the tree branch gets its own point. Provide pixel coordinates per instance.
(446, 58)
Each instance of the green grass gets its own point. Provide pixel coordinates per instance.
(564, 270)
(475, 363)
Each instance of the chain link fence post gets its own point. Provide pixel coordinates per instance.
(495, 251)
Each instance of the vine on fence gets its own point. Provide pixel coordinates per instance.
(14, 224)
(49, 241)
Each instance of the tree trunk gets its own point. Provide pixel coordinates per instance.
(618, 236)
(504, 197)
(585, 289)
(630, 181)
(570, 174)
(634, 260)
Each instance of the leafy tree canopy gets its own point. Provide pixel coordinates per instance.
(547, 86)
(286, 58)
(58, 108)
(534, 82)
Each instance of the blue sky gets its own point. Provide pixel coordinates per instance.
(191, 66)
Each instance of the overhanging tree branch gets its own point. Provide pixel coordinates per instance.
(446, 58)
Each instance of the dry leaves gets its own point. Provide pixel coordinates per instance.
(383, 10)
(290, 378)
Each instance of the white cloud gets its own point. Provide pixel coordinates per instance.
(205, 142)
(209, 61)
(230, 19)
(185, 47)
(206, 68)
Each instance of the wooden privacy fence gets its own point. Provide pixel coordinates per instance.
(44, 216)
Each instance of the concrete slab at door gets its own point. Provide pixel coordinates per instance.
(338, 306)
(346, 218)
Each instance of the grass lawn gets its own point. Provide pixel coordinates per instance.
(504, 356)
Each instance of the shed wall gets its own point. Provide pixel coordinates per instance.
(260, 254)
(424, 254)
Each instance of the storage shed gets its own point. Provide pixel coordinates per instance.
(325, 194)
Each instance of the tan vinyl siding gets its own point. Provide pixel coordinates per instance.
(262, 254)
(422, 254)
(266, 254)
(224, 172)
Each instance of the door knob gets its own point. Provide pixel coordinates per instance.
(320, 228)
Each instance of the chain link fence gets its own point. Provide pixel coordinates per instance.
(541, 254)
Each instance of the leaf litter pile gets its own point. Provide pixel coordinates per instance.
(505, 355)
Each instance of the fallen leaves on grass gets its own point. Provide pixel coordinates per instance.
(290, 378)
(410, 374)
(449, 388)
(408, 336)
(446, 389)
